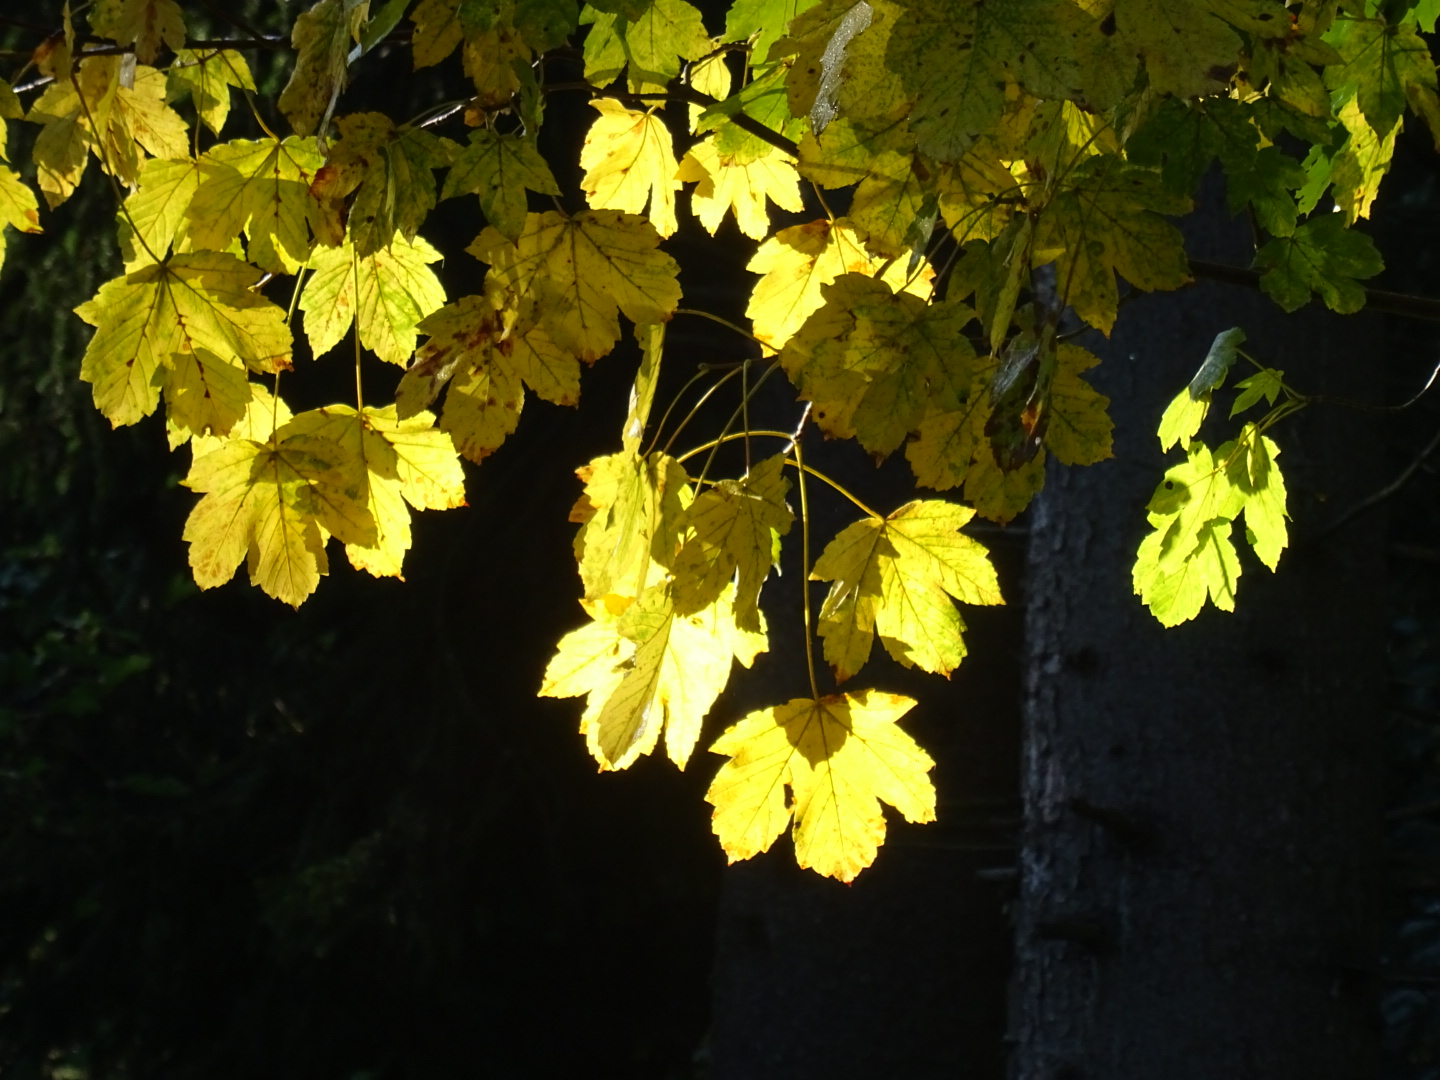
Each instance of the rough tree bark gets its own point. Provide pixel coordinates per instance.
(1203, 803)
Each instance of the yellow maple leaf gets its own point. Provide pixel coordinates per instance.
(725, 183)
(96, 113)
(797, 262)
(322, 37)
(634, 507)
(895, 576)
(629, 160)
(272, 504)
(390, 291)
(142, 23)
(388, 170)
(841, 756)
(157, 207)
(191, 301)
(579, 270)
(207, 76)
(491, 58)
(18, 207)
(405, 461)
(673, 671)
(260, 187)
(204, 392)
(486, 364)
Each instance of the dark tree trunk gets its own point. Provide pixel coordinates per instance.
(1202, 804)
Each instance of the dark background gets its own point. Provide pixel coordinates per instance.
(349, 841)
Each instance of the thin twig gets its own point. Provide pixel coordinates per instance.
(1391, 303)
(1384, 493)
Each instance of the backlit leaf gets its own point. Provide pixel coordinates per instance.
(260, 187)
(500, 168)
(322, 37)
(146, 24)
(725, 184)
(797, 262)
(385, 174)
(735, 526)
(196, 300)
(840, 756)
(1324, 256)
(207, 76)
(629, 160)
(895, 576)
(389, 292)
(581, 271)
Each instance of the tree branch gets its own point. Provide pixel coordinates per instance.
(1391, 303)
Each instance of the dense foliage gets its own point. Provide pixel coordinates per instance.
(1005, 171)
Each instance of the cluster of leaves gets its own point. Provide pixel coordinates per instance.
(1004, 167)
(1190, 556)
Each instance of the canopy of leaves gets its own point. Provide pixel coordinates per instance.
(1010, 174)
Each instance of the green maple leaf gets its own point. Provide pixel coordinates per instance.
(389, 292)
(386, 174)
(1384, 66)
(872, 360)
(736, 528)
(1107, 220)
(500, 168)
(894, 576)
(841, 757)
(764, 101)
(1184, 137)
(581, 271)
(191, 301)
(1266, 185)
(207, 76)
(1190, 48)
(259, 187)
(1184, 415)
(1321, 255)
(1190, 556)
(666, 32)
(956, 58)
(764, 20)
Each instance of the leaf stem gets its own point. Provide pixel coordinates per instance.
(810, 469)
(727, 323)
(698, 406)
(805, 551)
(355, 326)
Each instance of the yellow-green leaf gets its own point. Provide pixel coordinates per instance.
(389, 291)
(388, 171)
(734, 536)
(404, 461)
(195, 300)
(322, 36)
(142, 23)
(895, 576)
(725, 183)
(579, 270)
(207, 76)
(260, 187)
(841, 756)
(632, 507)
(797, 262)
(499, 168)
